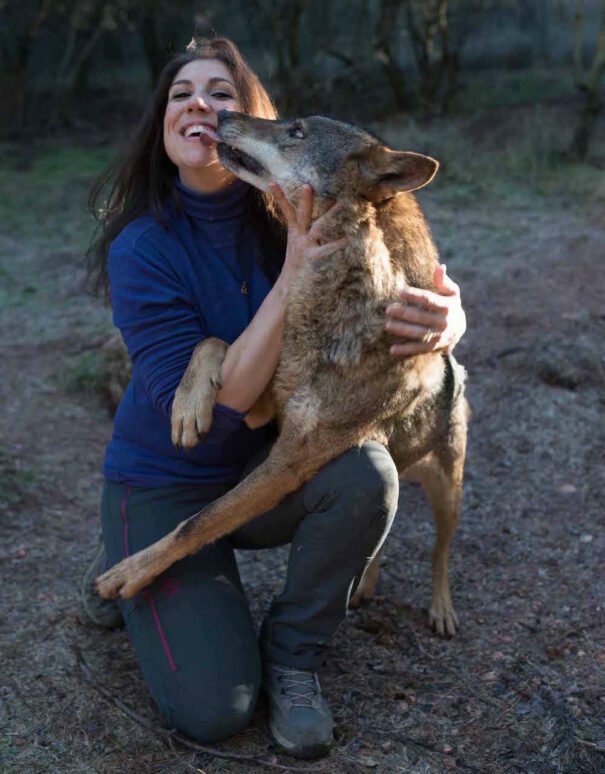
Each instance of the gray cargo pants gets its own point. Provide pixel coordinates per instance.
(192, 629)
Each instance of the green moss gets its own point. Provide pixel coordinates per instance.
(84, 374)
(43, 197)
(15, 482)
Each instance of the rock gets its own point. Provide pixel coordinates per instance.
(367, 762)
(569, 363)
(116, 369)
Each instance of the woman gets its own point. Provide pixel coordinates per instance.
(188, 251)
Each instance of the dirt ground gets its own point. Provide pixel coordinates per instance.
(521, 687)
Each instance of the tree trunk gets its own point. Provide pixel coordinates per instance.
(387, 25)
(18, 94)
(73, 67)
(151, 41)
(590, 85)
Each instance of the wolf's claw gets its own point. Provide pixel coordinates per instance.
(122, 580)
(442, 618)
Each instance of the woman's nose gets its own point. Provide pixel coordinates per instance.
(197, 102)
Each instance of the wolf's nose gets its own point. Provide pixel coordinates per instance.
(222, 114)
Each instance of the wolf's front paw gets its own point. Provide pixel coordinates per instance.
(122, 580)
(442, 617)
(191, 416)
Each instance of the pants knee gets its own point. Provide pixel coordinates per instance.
(210, 719)
(209, 686)
(363, 484)
(376, 478)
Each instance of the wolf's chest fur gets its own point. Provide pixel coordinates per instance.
(335, 347)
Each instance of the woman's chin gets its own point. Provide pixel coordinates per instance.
(204, 174)
(202, 156)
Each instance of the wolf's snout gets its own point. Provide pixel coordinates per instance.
(222, 115)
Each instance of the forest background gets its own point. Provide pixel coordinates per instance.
(507, 94)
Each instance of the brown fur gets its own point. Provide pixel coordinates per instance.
(336, 384)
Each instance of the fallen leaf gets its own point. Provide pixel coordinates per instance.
(566, 489)
(368, 762)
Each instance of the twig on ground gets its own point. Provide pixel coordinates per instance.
(170, 735)
(593, 745)
(416, 642)
(408, 740)
(189, 764)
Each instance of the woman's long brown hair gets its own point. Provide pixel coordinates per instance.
(141, 180)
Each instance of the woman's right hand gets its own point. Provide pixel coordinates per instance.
(304, 244)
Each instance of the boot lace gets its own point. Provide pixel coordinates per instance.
(299, 686)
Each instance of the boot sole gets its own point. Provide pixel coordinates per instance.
(316, 750)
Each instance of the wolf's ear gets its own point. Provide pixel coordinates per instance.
(385, 172)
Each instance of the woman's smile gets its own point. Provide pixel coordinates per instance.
(200, 89)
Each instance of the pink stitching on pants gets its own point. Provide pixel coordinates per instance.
(147, 592)
(160, 631)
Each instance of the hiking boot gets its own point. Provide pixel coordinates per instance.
(300, 721)
(96, 610)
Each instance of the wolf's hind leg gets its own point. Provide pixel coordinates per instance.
(367, 585)
(440, 474)
(293, 460)
(195, 396)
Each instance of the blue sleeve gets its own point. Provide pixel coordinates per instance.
(160, 325)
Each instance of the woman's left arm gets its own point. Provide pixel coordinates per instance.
(427, 321)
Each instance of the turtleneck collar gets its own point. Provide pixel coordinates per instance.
(226, 204)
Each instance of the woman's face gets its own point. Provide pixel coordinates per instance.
(199, 90)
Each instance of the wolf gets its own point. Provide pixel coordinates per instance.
(336, 384)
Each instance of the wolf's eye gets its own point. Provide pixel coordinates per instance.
(297, 131)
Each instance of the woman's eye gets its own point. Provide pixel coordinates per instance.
(222, 95)
(180, 95)
(297, 131)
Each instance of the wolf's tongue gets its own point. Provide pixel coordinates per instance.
(208, 136)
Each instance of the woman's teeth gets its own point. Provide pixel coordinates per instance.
(204, 132)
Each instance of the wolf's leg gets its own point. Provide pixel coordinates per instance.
(440, 474)
(196, 394)
(367, 584)
(294, 459)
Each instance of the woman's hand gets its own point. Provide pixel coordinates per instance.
(427, 321)
(304, 244)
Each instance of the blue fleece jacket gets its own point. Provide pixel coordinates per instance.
(171, 285)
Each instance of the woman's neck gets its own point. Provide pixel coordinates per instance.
(205, 179)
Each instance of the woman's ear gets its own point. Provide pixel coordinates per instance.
(385, 172)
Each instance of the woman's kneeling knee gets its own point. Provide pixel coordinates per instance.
(369, 482)
(361, 486)
(213, 716)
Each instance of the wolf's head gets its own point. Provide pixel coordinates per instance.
(338, 160)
